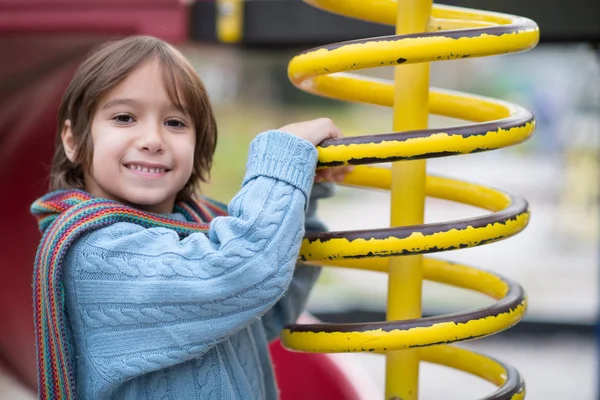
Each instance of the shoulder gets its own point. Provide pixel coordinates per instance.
(124, 237)
(121, 248)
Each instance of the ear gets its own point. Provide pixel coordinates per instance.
(68, 141)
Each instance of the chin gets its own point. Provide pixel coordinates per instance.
(148, 198)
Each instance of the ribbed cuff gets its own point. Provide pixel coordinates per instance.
(284, 157)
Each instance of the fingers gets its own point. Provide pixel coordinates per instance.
(332, 174)
(319, 177)
(329, 128)
(334, 131)
(337, 174)
(315, 131)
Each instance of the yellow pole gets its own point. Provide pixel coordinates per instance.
(230, 20)
(411, 97)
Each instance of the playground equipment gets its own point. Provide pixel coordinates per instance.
(40, 81)
(423, 34)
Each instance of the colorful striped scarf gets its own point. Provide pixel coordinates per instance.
(63, 216)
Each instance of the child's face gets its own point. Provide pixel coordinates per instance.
(143, 145)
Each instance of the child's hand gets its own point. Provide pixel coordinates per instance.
(336, 174)
(316, 131)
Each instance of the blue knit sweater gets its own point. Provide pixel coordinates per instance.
(158, 317)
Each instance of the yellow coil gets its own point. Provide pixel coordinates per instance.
(453, 33)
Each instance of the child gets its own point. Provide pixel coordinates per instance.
(142, 290)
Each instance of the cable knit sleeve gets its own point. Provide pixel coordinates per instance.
(291, 305)
(140, 299)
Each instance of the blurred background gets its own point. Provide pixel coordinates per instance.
(557, 171)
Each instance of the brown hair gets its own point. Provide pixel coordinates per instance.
(107, 67)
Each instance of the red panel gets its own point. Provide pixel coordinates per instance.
(22, 177)
(166, 19)
(303, 376)
(41, 41)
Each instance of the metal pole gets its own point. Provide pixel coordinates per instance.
(411, 105)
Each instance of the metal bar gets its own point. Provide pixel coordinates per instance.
(411, 105)
(416, 333)
(510, 216)
(510, 382)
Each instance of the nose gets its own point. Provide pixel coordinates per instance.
(151, 139)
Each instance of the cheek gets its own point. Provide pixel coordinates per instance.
(185, 152)
(102, 154)
(107, 151)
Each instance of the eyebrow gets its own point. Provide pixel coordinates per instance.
(117, 102)
(133, 102)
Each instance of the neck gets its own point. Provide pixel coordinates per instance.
(164, 207)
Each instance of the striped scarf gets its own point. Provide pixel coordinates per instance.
(63, 216)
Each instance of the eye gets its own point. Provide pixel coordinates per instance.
(175, 123)
(123, 119)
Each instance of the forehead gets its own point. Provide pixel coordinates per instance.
(149, 83)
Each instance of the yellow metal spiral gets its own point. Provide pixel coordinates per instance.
(424, 33)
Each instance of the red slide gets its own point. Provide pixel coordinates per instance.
(41, 42)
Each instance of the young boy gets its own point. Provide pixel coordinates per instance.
(143, 290)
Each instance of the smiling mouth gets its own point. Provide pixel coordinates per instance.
(141, 168)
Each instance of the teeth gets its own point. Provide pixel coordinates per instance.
(144, 169)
